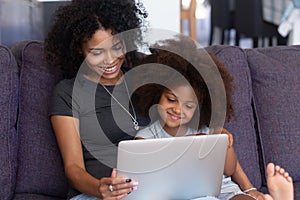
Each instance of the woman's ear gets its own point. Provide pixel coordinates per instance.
(124, 46)
(79, 50)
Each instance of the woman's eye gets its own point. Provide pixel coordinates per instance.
(171, 99)
(119, 47)
(96, 53)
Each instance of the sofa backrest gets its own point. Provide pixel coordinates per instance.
(275, 73)
(40, 168)
(243, 126)
(8, 112)
(267, 107)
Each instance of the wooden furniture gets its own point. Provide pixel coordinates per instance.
(190, 15)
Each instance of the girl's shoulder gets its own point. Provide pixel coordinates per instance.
(202, 130)
(152, 131)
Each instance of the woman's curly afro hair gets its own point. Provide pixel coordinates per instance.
(163, 53)
(79, 20)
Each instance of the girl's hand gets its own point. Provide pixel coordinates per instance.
(230, 137)
(223, 131)
(256, 194)
(115, 188)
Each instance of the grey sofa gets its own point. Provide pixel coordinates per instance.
(266, 127)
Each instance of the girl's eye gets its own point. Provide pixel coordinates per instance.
(189, 106)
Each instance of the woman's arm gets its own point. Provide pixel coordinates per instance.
(67, 135)
(66, 130)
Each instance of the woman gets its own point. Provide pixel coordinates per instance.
(93, 63)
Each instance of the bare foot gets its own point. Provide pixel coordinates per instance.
(280, 184)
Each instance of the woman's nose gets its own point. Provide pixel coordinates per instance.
(109, 58)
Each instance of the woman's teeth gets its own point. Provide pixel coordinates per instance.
(108, 69)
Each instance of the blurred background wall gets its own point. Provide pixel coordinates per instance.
(25, 19)
(31, 19)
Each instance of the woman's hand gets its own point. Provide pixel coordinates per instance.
(112, 188)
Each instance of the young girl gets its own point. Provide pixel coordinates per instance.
(183, 107)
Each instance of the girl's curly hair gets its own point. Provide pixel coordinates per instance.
(163, 53)
(79, 20)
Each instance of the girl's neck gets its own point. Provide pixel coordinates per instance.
(175, 131)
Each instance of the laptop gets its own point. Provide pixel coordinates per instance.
(173, 168)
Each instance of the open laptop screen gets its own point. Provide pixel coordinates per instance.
(173, 168)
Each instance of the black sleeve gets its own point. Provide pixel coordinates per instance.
(61, 100)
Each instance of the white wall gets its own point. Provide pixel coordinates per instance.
(163, 14)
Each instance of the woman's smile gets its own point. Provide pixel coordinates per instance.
(109, 69)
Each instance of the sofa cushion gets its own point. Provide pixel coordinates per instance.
(8, 108)
(275, 73)
(40, 168)
(297, 190)
(35, 196)
(243, 125)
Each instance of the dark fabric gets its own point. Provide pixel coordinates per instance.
(40, 168)
(35, 197)
(243, 125)
(8, 112)
(275, 73)
(297, 191)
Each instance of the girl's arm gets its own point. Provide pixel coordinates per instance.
(66, 130)
(231, 161)
(240, 177)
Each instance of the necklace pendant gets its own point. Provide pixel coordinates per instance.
(136, 125)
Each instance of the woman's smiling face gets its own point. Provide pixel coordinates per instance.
(105, 55)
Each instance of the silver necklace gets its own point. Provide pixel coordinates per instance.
(135, 122)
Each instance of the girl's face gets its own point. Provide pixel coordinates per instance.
(177, 107)
(105, 56)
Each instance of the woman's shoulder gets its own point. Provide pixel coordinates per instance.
(65, 85)
(66, 82)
